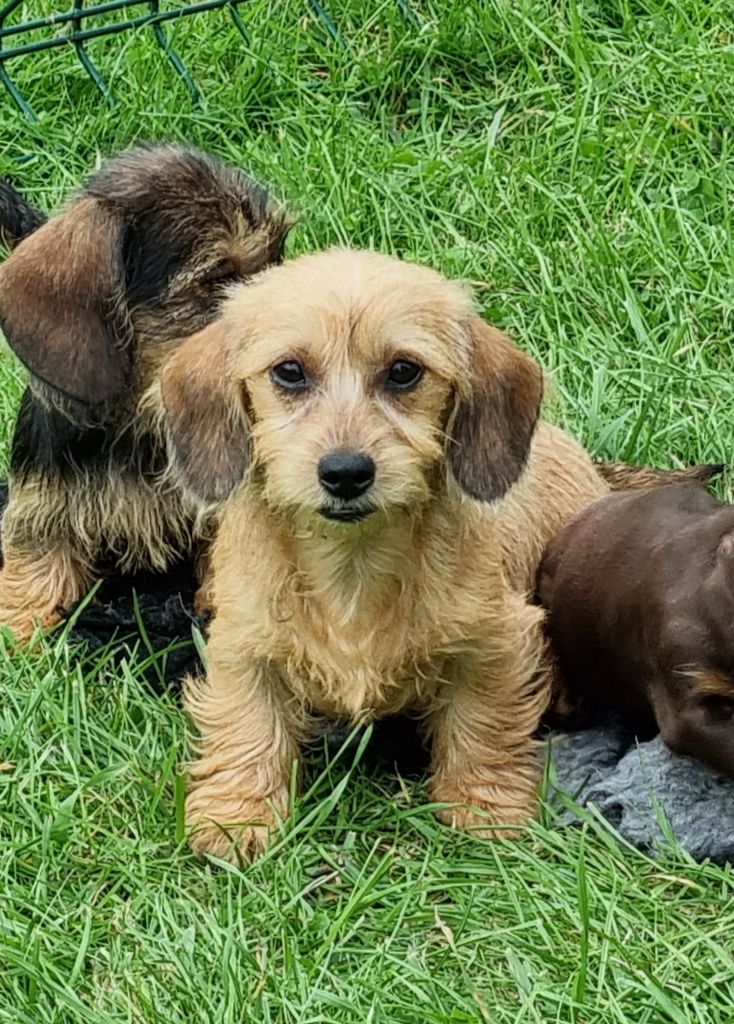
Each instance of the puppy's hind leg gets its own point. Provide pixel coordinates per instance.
(35, 586)
(484, 759)
(248, 739)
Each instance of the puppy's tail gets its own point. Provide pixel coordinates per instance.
(17, 217)
(624, 476)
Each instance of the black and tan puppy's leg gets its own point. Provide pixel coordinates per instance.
(49, 533)
(35, 587)
(47, 565)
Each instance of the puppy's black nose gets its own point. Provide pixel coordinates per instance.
(346, 474)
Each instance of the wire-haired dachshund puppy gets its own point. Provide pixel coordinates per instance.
(639, 592)
(93, 302)
(385, 498)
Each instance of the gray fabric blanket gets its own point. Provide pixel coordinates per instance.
(650, 795)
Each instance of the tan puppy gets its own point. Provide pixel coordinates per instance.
(363, 423)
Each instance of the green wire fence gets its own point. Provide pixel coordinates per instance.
(80, 23)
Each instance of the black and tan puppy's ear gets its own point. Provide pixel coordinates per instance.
(205, 416)
(495, 415)
(62, 305)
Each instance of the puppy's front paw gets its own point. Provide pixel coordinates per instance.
(232, 830)
(488, 812)
(23, 625)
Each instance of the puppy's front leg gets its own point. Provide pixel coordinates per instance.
(484, 758)
(36, 585)
(239, 784)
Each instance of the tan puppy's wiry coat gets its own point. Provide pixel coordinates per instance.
(364, 426)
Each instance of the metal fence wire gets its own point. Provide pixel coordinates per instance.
(82, 22)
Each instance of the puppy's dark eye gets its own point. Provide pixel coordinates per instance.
(403, 375)
(289, 375)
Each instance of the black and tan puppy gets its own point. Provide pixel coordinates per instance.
(639, 592)
(93, 302)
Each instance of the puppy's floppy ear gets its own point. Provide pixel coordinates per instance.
(204, 416)
(62, 305)
(495, 415)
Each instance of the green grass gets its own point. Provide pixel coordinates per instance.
(576, 161)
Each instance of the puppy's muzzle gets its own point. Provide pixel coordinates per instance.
(346, 476)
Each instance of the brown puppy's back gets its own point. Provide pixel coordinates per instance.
(639, 592)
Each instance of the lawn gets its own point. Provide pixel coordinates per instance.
(575, 160)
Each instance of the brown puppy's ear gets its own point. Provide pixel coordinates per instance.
(204, 416)
(62, 305)
(496, 413)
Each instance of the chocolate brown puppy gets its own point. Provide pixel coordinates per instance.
(639, 592)
(93, 302)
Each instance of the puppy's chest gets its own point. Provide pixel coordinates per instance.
(363, 669)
